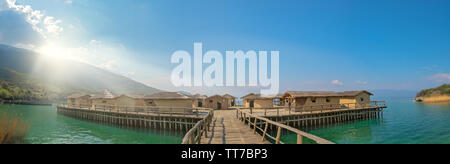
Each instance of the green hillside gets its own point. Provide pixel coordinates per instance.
(441, 90)
(26, 75)
(20, 86)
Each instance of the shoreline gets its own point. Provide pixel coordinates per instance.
(25, 103)
(433, 99)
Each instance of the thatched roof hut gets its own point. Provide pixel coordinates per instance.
(300, 94)
(301, 99)
(260, 101)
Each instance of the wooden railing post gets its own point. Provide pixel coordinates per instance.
(199, 135)
(254, 126)
(299, 139)
(265, 131)
(249, 121)
(205, 126)
(277, 141)
(191, 139)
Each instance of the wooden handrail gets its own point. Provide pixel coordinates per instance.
(142, 110)
(300, 134)
(319, 108)
(325, 106)
(116, 106)
(194, 135)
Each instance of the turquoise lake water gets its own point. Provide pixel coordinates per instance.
(404, 122)
(47, 127)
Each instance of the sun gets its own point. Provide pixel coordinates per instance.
(53, 50)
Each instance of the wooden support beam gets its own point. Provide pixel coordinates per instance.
(277, 141)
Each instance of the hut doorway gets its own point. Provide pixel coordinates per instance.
(200, 104)
(219, 105)
(252, 104)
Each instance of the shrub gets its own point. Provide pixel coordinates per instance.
(12, 129)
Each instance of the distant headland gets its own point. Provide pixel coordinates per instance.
(434, 95)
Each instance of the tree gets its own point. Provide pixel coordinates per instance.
(4, 94)
(4, 84)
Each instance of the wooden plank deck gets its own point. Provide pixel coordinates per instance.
(227, 129)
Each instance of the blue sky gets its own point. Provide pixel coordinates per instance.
(358, 44)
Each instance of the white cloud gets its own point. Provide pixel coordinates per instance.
(69, 1)
(52, 25)
(44, 25)
(441, 77)
(337, 82)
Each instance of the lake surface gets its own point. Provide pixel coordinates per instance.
(47, 127)
(404, 122)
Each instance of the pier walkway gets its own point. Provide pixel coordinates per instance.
(240, 127)
(227, 129)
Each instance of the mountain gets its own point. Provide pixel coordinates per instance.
(20, 86)
(62, 76)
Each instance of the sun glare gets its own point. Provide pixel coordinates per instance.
(53, 50)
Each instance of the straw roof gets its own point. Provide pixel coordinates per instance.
(299, 94)
(354, 93)
(168, 96)
(253, 96)
(228, 96)
(134, 96)
(199, 96)
(219, 96)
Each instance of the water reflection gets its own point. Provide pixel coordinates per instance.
(47, 127)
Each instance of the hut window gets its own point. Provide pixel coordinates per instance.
(328, 100)
(276, 102)
(313, 100)
(362, 99)
(104, 102)
(210, 101)
(150, 102)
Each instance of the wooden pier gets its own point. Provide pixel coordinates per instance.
(227, 129)
(148, 120)
(264, 126)
(320, 117)
(238, 127)
(235, 126)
